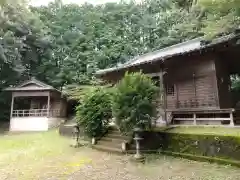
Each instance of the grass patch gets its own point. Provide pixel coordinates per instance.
(28, 155)
(220, 131)
(49, 156)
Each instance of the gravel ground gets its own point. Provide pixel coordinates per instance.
(112, 167)
(49, 157)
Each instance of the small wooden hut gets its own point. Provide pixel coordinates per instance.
(194, 78)
(36, 106)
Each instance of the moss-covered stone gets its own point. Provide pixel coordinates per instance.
(209, 146)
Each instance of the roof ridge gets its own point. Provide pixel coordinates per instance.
(33, 80)
(165, 48)
(167, 52)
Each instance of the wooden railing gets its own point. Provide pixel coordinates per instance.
(36, 113)
(203, 117)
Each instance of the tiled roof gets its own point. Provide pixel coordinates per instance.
(175, 50)
(32, 85)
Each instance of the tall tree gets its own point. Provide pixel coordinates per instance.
(222, 17)
(22, 46)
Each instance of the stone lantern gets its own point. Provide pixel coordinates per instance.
(137, 137)
(75, 136)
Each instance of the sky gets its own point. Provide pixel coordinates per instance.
(45, 2)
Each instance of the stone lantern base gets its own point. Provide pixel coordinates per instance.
(138, 159)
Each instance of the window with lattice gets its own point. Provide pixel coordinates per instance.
(170, 90)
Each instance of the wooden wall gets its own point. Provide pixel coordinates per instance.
(61, 105)
(195, 84)
(200, 81)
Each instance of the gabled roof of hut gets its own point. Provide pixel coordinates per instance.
(32, 85)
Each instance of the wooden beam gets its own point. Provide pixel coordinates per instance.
(194, 119)
(48, 105)
(12, 105)
(177, 96)
(195, 88)
(153, 74)
(199, 111)
(202, 119)
(163, 94)
(30, 94)
(231, 119)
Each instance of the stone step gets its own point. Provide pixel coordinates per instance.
(109, 139)
(113, 128)
(107, 149)
(110, 144)
(114, 131)
(117, 136)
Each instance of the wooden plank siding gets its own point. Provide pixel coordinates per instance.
(205, 94)
(195, 85)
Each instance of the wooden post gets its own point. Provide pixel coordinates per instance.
(48, 106)
(231, 119)
(194, 119)
(163, 99)
(177, 97)
(12, 104)
(195, 90)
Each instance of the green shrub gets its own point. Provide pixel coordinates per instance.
(94, 111)
(133, 102)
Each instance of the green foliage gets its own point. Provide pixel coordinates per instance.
(222, 16)
(86, 38)
(77, 92)
(235, 83)
(94, 112)
(133, 102)
(23, 48)
(64, 44)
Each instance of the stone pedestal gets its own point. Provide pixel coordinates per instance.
(138, 156)
(93, 141)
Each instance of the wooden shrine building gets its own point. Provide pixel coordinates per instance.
(194, 77)
(36, 106)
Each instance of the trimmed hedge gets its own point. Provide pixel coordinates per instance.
(213, 148)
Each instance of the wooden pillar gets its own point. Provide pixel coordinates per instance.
(177, 96)
(48, 105)
(195, 89)
(12, 105)
(194, 119)
(231, 119)
(163, 94)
